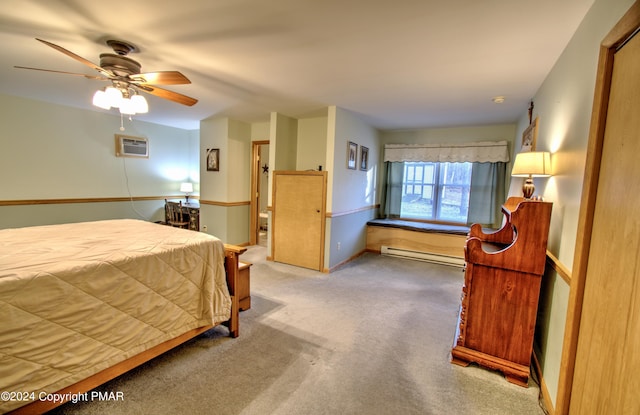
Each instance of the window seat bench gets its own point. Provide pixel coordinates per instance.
(435, 240)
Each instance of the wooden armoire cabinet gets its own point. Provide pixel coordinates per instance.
(501, 289)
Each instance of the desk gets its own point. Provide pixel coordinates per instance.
(190, 210)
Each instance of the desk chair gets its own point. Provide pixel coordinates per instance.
(174, 215)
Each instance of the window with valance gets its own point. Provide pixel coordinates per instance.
(463, 183)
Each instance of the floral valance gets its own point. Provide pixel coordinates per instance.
(478, 152)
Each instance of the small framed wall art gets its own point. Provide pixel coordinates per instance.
(364, 158)
(213, 159)
(352, 155)
(530, 136)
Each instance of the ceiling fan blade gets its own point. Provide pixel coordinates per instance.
(78, 58)
(160, 78)
(170, 95)
(99, 78)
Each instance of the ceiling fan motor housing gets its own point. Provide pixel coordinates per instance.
(121, 47)
(120, 65)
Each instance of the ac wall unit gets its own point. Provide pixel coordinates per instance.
(129, 146)
(422, 256)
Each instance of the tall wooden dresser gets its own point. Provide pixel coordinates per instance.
(501, 289)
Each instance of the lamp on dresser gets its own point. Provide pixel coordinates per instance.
(531, 164)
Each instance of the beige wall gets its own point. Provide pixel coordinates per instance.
(312, 143)
(283, 139)
(224, 208)
(451, 135)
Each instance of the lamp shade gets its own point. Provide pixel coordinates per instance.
(532, 163)
(186, 187)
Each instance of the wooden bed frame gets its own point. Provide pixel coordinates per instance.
(231, 263)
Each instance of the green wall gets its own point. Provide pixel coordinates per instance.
(54, 152)
(563, 104)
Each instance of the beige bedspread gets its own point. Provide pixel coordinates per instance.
(78, 298)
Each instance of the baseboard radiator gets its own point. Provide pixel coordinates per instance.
(422, 256)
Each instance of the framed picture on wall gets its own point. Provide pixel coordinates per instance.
(213, 159)
(530, 136)
(364, 158)
(352, 155)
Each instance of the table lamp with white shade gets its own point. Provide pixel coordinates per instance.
(187, 189)
(531, 164)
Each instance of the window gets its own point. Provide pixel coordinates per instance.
(459, 183)
(436, 191)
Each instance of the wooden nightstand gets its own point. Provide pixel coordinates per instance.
(244, 291)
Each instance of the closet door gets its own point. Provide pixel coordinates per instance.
(298, 220)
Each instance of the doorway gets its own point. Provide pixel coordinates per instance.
(259, 224)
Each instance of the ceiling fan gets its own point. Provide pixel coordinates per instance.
(125, 73)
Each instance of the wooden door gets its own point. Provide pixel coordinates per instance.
(298, 220)
(606, 376)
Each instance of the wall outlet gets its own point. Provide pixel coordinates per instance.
(338, 246)
(204, 228)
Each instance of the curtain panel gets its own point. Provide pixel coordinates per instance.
(487, 194)
(391, 195)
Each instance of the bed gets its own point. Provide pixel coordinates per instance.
(83, 303)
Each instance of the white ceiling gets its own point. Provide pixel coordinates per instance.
(400, 64)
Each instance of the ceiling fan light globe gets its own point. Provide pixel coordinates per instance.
(140, 105)
(115, 96)
(101, 100)
(127, 107)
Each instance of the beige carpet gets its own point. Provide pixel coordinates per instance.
(371, 338)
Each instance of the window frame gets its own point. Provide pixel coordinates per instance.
(437, 189)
